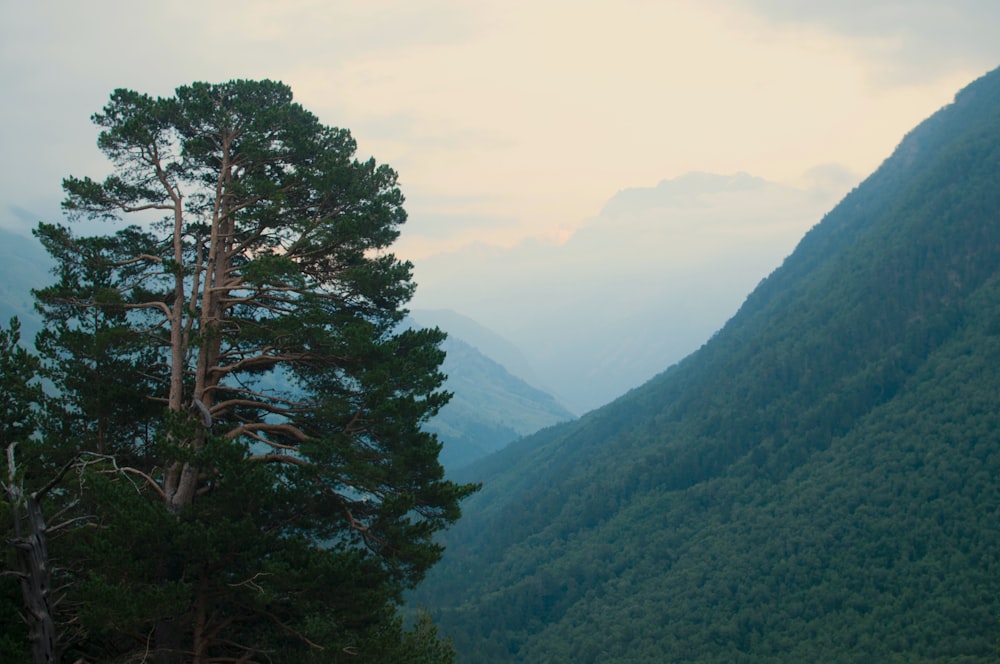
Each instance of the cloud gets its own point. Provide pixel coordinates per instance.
(467, 226)
(425, 132)
(909, 38)
(60, 61)
(830, 179)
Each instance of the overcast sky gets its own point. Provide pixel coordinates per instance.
(508, 119)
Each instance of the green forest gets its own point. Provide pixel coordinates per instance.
(218, 452)
(818, 482)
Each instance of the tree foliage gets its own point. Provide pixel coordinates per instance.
(20, 396)
(20, 393)
(233, 364)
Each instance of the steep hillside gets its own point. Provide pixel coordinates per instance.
(483, 339)
(490, 407)
(820, 481)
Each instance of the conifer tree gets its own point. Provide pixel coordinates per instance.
(20, 393)
(236, 357)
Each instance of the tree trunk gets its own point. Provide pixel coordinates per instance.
(33, 567)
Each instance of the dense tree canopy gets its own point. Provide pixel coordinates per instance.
(232, 370)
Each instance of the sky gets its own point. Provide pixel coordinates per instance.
(514, 119)
(512, 124)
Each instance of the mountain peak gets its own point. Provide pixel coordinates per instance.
(685, 190)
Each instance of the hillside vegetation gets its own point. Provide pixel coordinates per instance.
(820, 481)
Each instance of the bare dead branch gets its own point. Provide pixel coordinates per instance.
(291, 405)
(138, 208)
(140, 257)
(297, 634)
(38, 495)
(141, 305)
(148, 305)
(262, 362)
(251, 428)
(222, 406)
(149, 480)
(251, 582)
(69, 522)
(65, 509)
(95, 458)
(279, 458)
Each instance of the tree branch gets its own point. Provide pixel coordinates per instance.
(279, 458)
(251, 403)
(136, 259)
(149, 480)
(262, 362)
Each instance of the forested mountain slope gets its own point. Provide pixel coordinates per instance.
(820, 481)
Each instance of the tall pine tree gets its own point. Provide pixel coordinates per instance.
(235, 362)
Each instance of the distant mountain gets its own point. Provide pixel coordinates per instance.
(819, 482)
(23, 265)
(490, 407)
(634, 289)
(493, 404)
(488, 342)
(688, 190)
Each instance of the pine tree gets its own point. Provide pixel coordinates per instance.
(235, 358)
(19, 391)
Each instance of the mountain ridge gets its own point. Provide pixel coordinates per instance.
(794, 489)
(490, 407)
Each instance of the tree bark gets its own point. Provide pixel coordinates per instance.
(33, 566)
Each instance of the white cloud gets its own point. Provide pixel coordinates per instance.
(905, 41)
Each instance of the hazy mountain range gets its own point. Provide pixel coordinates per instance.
(634, 289)
(818, 482)
(489, 407)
